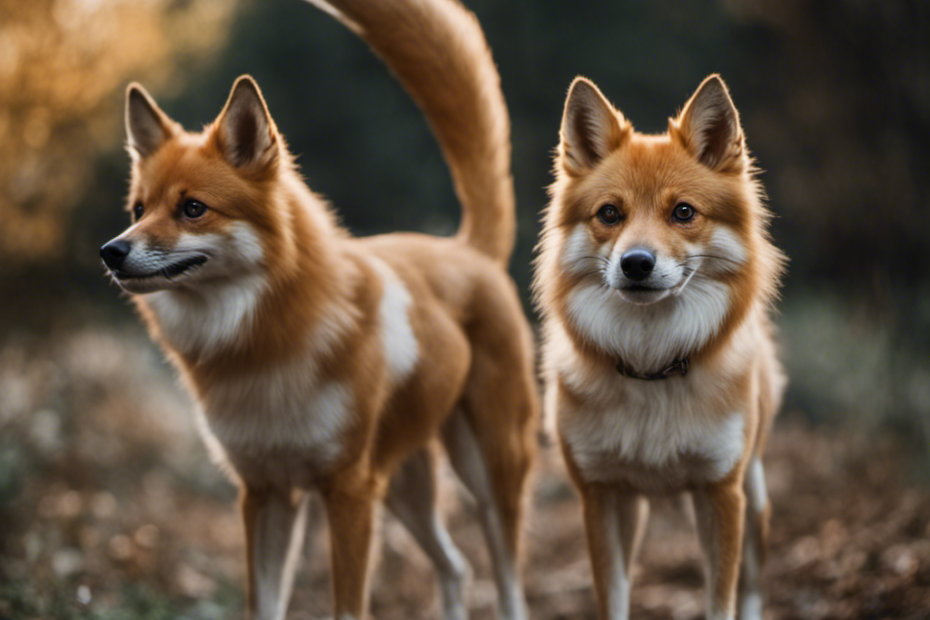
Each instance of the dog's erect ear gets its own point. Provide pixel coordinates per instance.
(591, 128)
(147, 127)
(246, 134)
(709, 128)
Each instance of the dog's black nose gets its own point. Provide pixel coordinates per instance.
(115, 252)
(637, 264)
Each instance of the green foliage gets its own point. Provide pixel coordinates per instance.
(20, 601)
(11, 470)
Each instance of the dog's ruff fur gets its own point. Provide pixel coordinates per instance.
(706, 298)
(326, 365)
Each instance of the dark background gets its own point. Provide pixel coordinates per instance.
(835, 101)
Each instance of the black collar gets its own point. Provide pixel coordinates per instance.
(678, 366)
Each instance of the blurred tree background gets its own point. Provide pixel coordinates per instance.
(835, 101)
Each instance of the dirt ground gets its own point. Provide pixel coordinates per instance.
(110, 509)
(849, 541)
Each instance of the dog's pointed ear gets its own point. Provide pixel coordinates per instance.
(147, 127)
(591, 128)
(708, 127)
(246, 135)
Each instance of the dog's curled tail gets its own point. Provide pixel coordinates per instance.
(437, 50)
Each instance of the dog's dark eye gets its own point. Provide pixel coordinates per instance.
(194, 209)
(137, 210)
(609, 214)
(683, 212)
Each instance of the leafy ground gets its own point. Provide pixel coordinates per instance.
(110, 509)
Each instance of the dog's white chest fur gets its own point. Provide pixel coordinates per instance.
(268, 414)
(281, 424)
(655, 435)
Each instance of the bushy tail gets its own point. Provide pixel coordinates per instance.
(437, 50)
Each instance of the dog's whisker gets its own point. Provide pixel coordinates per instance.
(711, 256)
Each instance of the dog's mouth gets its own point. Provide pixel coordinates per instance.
(168, 272)
(640, 288)
(642, 294)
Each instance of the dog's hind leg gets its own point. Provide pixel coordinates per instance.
(495, 476)
(274, 525)
(758, 510)
(412, 498)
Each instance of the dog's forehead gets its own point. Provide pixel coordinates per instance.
(185, 164)
(651, 165)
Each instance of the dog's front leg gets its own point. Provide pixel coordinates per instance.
(613, 522)
(720, 514)
(350, 511)
(274, 528)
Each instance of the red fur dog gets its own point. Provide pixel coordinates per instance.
(655, 277)
(323, 364)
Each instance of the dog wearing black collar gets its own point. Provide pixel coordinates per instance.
(655, 276)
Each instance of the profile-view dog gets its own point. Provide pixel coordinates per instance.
(655, 275)
(323, 364)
